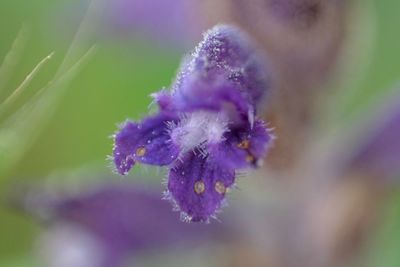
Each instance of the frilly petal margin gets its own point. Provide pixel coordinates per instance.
(243, 146)
(147, 142)
(197, 185)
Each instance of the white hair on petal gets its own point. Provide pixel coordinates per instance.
(199, 128)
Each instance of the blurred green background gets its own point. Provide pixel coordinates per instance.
(113, 85)
(116, 82)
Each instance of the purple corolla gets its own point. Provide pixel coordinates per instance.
(206, 127)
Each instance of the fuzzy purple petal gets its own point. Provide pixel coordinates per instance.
(211, 95)
(198, 185)
(164, 100)
(147, 142)
(224, 58)
(244, 146)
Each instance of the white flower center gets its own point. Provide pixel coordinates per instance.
(199, 128)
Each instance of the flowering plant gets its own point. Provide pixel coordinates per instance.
(207, 126)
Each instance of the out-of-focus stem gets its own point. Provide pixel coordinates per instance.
(11, 98)
(12, 57)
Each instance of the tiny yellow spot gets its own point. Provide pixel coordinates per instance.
(199, 187)
(245, 144)
(249, 158)
(220, 187)
(140, 151)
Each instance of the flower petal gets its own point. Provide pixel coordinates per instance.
(147, 141)
(198, 185)
(223, 67)
(243, 146)
(211, 95)
(164, 100)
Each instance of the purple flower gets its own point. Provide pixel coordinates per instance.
(378, 152)
(107, 225)
(206, 128)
